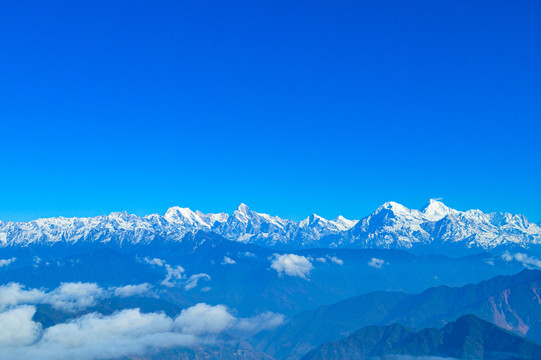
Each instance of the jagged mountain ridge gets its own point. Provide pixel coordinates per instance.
(467, 338)
(390, 226)
(244, 225)
(395, 226)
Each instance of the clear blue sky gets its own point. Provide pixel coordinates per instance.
(292, 107)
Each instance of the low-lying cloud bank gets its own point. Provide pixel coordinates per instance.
(124, 333)
(68, 296)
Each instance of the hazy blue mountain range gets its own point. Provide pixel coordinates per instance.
(466, 338)
(188, 285)
(205, 296)
(245, 277)
(511, 302)
(436, 227)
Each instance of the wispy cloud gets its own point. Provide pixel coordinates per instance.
(527, 261)
(376, 263)
(194, 280)
(174, 275)
(6, 262)
(228, 261)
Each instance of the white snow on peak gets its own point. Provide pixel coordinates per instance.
(395, 207)
(243, 208)
(310, 220)
(344, 224)
(395, 226)
(332, 226)
(211, 219)
(435, 210)
(392, 225)
(185, 217)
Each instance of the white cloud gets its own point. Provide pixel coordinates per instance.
(204, 319)
(174, 274)
(376, 263)
(132, 290)
(94, 336)
(332, 259)
(154, 261)
(6, 262)
(248, 254)
(291, 265)
(17, 327)
(14, 294)
(336, 260)
(66, 297)
(194, 279)
(228, 261)
(124, 333)
(255, 324)
(74, 296)
(527, 261)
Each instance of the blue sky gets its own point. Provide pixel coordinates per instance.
(292, 107)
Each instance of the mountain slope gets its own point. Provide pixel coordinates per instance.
(467, 338)
(511, 302)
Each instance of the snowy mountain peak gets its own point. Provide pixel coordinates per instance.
(177, 211)
(310, 220)
(394, 207)
(343, 223)
(243, 208)
(185, 217)
(435, 210)
(315, 217)
(395, 226)
(391, 226)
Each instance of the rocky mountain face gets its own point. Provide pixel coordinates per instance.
(466, 338)
(391, 226)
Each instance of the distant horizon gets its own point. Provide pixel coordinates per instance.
(262, 211)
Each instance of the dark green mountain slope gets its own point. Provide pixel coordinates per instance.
(467, 338)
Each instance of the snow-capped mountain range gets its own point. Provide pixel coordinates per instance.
(395, 226)
(244, 225)
(390, 226)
